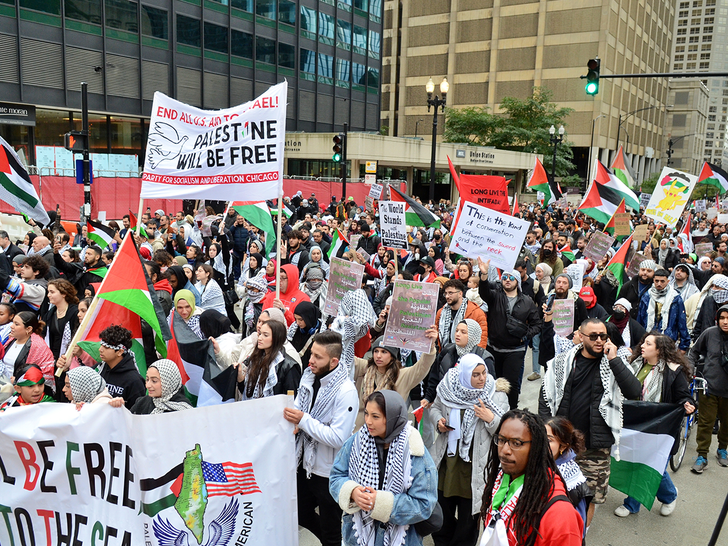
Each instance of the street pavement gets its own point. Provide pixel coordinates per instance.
(700, 499)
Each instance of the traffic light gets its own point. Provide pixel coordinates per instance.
(75, 141)
(592, 76)
(338, 147)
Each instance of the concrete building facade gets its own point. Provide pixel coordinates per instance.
(686, 124)
(490, 49)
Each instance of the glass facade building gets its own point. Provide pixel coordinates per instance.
(209, 53)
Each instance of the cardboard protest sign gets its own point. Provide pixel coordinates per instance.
(413, 310)
(486, 233)
(575, 272)
(178, 474)
(634, 264)
(598, 245)
(375, 192)
(344, 276)
(369, 203)
(216, 154)
(354, 240)
(700, 205)
(644, 199)
(640, 232)
(487, 191)
(563, 317)
(703, 249)
(722, 218)
(670, 196)
(621, 223)
(392, 223)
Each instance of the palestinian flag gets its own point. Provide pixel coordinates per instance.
(600, 202)
(685, 240)
(649, 431)
(339, 244)
(414, 213)
(258, 214)
(179, 488)
(609, 179)
(127, 286)
(617, 264)
(16, 189)
(273, 210)
(132, 220)
(714, 176)
(567, 252)
(195, 357)
(539, 181)
(622, 169)
(100, 234)
(609, 226)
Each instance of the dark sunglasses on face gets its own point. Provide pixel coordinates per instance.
(594, 337)
(508, 278)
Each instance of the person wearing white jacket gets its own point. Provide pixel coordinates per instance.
(325, 410)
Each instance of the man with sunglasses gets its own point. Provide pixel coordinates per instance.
(586, 385)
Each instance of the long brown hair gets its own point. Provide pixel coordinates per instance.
(667, 350)
(260, 361)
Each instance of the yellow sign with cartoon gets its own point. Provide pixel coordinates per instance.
(670, 196)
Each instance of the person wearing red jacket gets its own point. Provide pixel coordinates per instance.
(525, 501)
(290, 294)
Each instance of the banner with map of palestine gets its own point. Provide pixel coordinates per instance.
(108, 477)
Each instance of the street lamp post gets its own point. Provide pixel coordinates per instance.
(555, 140)
(437, 102)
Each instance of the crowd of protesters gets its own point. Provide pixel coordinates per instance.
(478, 463)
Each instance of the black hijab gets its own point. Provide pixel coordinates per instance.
(309, 313)
(179, 274)
(254, 272)
(214, 324)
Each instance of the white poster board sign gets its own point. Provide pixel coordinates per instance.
(375, 192)
(392, 224)
(670, 196)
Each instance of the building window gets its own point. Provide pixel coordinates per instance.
(710, 11)
(286, 55)
(374, 42)
(679, 58)
(245, 5)
(705, 47)
(680, 49)
(707, 30)
(155, 22)
(711, 118)
(308, 19)
(680, 40)
(266, 8)
(684, 5)
(216, 38)
(694, 39)
(708, 21)
(713, 109)
(83, 10)
(705, 56)
(375, 7)
(692, 48)
(325, 65)
(682, 32)
(692, 57)
(373, 78)
(326, 26)
(361, 4)
(287, 12)
(677, 66)
(121, 14)
(359, 74)
(682, 14)
(708, 135)
(343, 33)
(360, 38)
(695, 21)
(343, 70)
(308, 61)
(689, 66)
(709, 143)
(46, 6)
(265, 50)
(707, 38)
(695, 30)
(188, 31)
(241, 44)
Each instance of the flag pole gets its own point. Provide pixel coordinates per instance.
(139, 216)
(279, 227)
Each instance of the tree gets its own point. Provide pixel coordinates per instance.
(523, 127)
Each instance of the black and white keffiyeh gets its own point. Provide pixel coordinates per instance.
(322, 410)
(448, 322)
(364, 470)
(270, 382)
(665, 298)
(475, 333)
(171, 384)
(86, 384)
(353, 321)
(570, 470)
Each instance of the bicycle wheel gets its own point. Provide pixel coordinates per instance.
(677, 459)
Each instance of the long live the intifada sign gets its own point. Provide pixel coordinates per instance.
(104, 477)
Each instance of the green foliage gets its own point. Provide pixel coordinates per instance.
(523, 127)
(648, 185)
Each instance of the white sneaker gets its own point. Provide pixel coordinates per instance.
(667, 509)
(621, 511)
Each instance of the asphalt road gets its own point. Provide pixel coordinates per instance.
(700, 499)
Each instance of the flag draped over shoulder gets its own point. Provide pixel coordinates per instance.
(648, 433)
(714, 176)
(539, 181)
(16, 189)
(617, 264)
(258, 214)
(414, 213)
(100, 234)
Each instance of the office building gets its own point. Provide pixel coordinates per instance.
(686, 124)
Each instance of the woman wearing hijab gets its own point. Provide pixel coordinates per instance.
(301, 332)
(255, 266)
(25, 346)
(84, 385)
(666, 257)
(256, 247)
(383, 477)
(220, 263)
(434, 253)
(630, 330)
(179, 281)
(542, 273)
(466, 412)
(184, 304)
(164, 388)
(316, 259)
(256, 289)
(315, 287)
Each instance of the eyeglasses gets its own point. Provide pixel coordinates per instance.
(508, 278)
(515, 443)
(452, 293)
(594, 337)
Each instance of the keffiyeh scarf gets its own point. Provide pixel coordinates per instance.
(663, 297)
(364, 470)
(474, 334)
(448, 322)
(322, 410)
(456, 398)
(270, 382)
(253, 298)
(171, 384)
(570, 471)
(652, 384)
(610, 405)
(354, 319)
(86, 384)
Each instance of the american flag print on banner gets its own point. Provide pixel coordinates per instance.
(229, 479)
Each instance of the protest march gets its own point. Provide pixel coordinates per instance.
(356, 370)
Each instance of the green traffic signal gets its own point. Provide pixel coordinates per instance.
(336, 158)
(592, 76)
(592, 88)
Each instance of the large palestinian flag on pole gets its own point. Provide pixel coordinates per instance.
(623, 170)
(258, 214)
(649, 431)
(605, 177)
(714, 176)
(539, 181)
(16, 189)
(414, 213)
(600, 202)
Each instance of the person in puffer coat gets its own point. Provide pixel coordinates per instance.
(466, 412)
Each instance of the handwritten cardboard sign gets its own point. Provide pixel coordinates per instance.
(563, 317)
(413, 310)
(621, 223)
(703, 249)
(486, 233)
(344, 276)
(598, 245)
(375, 192)
(634, 264)
(640, 233)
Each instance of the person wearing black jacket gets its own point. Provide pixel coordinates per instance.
(369, 240)
(512, 319)
(585, 385)
(634, 289)
(118, 367)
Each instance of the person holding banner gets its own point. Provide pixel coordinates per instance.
(384, 479)
(84, 385)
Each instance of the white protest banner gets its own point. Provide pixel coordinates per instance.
(216, 154)
(344, 276)
(703, 249)
(486, 233)
(393, 224)
(375, 192)
(105, 476)
(722, 218)
(712, 212)
(413, 310)
(598, 245)
(563, 316)
(670, 196)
